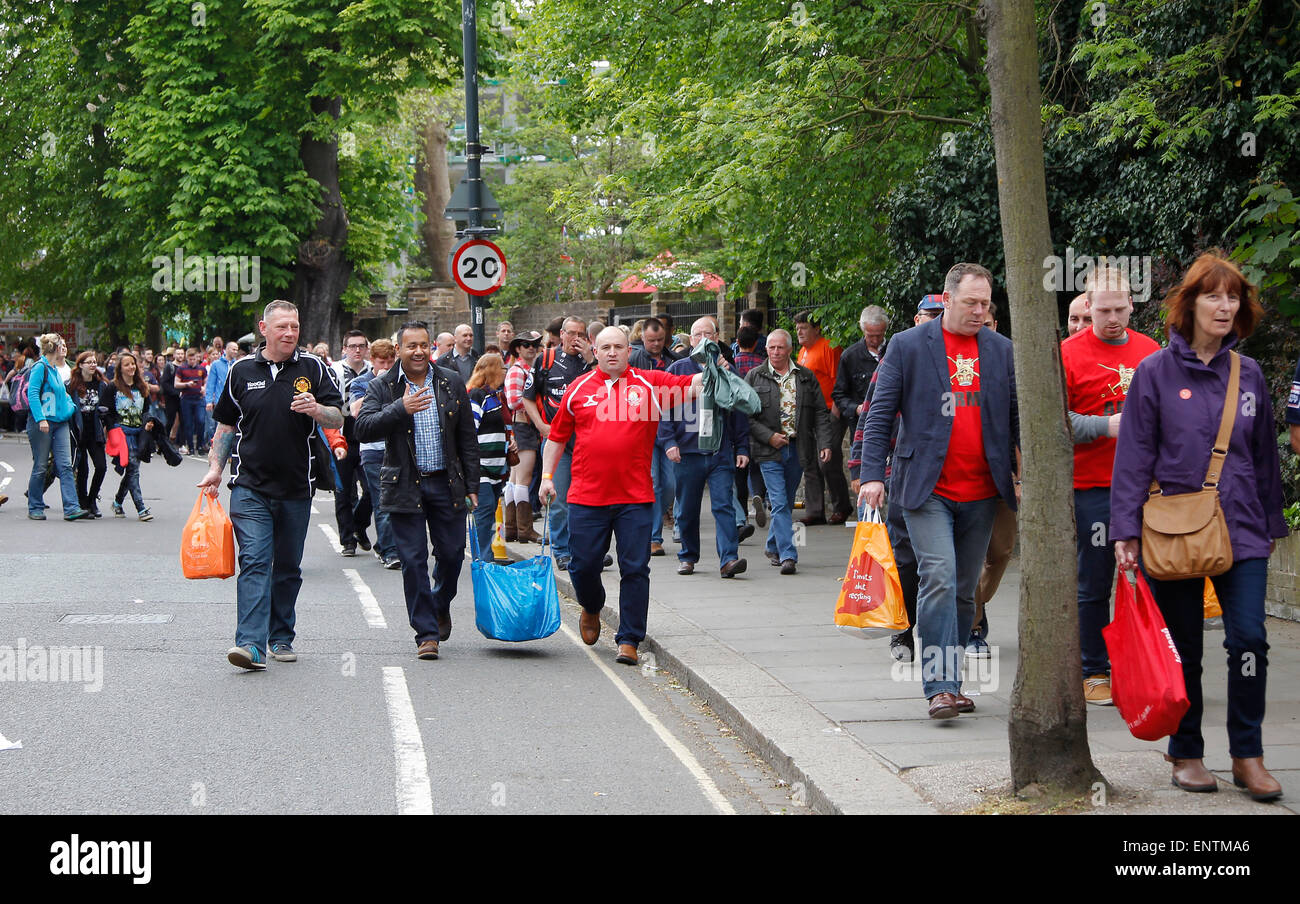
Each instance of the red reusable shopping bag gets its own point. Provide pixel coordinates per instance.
(1146, 672)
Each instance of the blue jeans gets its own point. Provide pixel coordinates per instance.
(485, 517)
(694, 471)
(441, 521)
(130, 482)
(782, 479)
(371, 461)
(1241, 595)
(594, 525)
(270, 533)
(1096, 575)
(950, 540)
(59, 439)
(193, 413)
(665, 484)
(559, 505)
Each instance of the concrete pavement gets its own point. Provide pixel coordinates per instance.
(847, 726)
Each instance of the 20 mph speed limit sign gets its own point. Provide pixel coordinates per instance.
(479, 267)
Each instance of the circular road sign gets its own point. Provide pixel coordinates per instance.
(479, 267)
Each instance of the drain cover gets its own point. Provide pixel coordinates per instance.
(128, 618)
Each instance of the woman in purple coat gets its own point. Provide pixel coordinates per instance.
(1169, 424)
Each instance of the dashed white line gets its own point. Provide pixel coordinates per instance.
(369, 605)
(414, 794)
(715, 797)
(4, 483)
(8, 467)
(329, 532)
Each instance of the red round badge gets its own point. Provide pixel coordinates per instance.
(1184, 393)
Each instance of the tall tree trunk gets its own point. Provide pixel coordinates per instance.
(152, 325)
(1048, 731)
(434, 182)
(116, 317)
(323, 269)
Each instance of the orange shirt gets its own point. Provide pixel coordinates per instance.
(823, 361)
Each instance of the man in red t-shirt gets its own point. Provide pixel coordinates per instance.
(612, 411)
(1099, 363)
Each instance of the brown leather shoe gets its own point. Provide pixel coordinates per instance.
(686, 568)
(837, 519)
(943, 706)
(964, 704)
(444, 627)
(788, 566)
(734, 567)
(811, 520)
(626, 654)
(1191, 775)
(589, 627)
(1249, 773)
(428, 650)
(656, 549)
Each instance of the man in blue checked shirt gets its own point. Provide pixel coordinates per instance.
(422, 413)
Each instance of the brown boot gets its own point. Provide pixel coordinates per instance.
(524, 522)
(1249, 773)
(1191, 775)
(508, 523)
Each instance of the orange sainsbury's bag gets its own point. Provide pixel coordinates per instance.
(208, 544)
(1212, 607)
(871, 598)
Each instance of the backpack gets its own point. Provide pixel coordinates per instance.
(18, 388)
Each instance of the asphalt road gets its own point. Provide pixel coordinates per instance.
(163, 724)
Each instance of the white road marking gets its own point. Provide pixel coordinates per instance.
(330, 532)
(6, 744)
(414, 794)
(4, 483)
(314, 510)
(369, 604)
(8, 467)
(715, 797)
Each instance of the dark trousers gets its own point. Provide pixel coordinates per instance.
(193, 414)
(828, 480)
(591, 527)
(1241, 595)
(905, 559)
(749, 479)
(87, 456)
(444, 519)
(1096, 576)
(693, 473)
(351, 513)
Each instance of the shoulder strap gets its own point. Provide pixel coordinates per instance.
(1226, 423)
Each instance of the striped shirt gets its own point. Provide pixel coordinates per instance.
(492, 438)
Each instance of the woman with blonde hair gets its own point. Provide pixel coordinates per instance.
(49, 431)
(494, 441)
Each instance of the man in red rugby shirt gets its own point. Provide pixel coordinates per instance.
(613, 412)
(1099, 363)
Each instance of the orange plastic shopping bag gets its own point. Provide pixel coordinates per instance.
(871, 597)
(208, 544)
(1212, 608)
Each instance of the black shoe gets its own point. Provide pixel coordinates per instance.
(562, 562)
(901, 648)
(93, 508)
(362, 540)
(349, 549)
(746, 531)
(444, 627)
(774, 558)
(609, 560)
(788, 566)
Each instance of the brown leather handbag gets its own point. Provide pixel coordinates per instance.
(1186, 535)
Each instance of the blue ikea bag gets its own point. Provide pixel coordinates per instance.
(515, 602)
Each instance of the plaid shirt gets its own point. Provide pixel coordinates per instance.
(428, 435)
(747, 361)
(516, 377)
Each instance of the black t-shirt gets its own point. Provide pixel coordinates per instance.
(1293, 399)
(272, 453)
(546, 385)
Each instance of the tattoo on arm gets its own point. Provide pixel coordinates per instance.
(223, 442)
(331, 418)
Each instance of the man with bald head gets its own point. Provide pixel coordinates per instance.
(462, 357)
(694, 469)
(611, 413)
(442, 345)
(1080, 318)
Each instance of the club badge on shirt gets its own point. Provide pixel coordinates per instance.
(1125, 378)
(302, 384)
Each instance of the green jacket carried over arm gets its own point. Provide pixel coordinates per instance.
(721, 388)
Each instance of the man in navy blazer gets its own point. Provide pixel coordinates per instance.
(954, 384)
